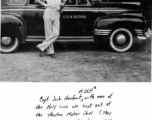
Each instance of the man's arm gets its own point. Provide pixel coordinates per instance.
(40, 2)
(63, 3)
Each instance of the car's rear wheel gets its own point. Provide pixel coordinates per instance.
(121, 40)
(9, 44)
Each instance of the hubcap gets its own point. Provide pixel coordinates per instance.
(121, 39)
(6, 40)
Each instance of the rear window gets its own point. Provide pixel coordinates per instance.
(16, 2)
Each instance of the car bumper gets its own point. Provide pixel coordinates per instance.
(141, 39)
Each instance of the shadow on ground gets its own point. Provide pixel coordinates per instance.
(59, 47)
(78, 62)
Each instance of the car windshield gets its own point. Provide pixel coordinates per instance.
(16, 2)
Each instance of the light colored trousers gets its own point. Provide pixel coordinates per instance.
(52, 28)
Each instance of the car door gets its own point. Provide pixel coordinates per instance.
(34, 19)
(76, 18)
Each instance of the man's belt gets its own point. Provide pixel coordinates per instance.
(54, 8)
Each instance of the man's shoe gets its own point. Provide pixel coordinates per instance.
(40, 52)
(52, 55)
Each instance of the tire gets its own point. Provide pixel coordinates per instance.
(121, 40)
(9, 44)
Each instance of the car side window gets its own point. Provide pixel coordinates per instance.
(76, 2)
(71, 2)
(16, 2)
(82, 2)
(68, 2)
(35, 2)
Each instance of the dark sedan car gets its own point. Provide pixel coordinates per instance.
(120, 24)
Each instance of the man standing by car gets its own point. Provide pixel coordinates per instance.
(51, 24)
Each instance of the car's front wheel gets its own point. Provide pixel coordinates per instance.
(9, 44)
(121, 40)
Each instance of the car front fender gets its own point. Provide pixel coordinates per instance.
(13, 25)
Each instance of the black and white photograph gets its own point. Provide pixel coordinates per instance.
(75, 59)
(76, 41)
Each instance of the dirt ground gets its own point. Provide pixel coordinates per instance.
(78, 62)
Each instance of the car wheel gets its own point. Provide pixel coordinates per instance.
(9, 44)
(121, 40)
